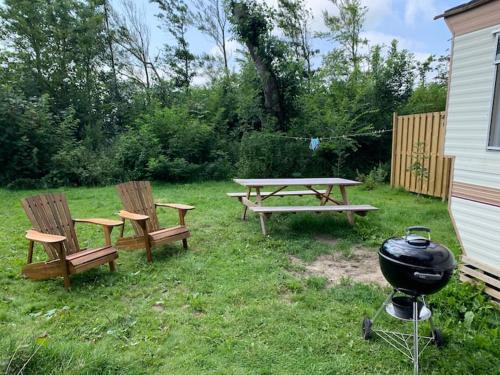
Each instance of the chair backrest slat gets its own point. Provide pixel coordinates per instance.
(49, 213)
(137, 197)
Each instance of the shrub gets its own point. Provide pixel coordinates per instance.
(133, 152)
(376, 176)
(263, 155)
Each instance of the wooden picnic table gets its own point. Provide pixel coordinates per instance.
(311, 184)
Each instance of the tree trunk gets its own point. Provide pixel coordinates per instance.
(109, 41)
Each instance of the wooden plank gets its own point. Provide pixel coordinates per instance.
(132, 216)
(150, 207)
(394, 144)
(175, 238)
(43, 271)
(433, 153)
(294, 182)
(93, 263)
(405, 162)
(476, 193)
(481, 265)
(439, 165)
(446, 178)
(34, 235)
(177, 206)
(155, 236)
(247, 202)
(414, 137)
(279, 194)
(421, 183)
(93, 256)
(426, 189)
(399, 160)
(345, 201)
(478, 274)
(98, 221)
(130, 243)
(284, 209)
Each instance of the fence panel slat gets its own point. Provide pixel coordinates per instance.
(427, 163)
(420, 137)
(439, 169)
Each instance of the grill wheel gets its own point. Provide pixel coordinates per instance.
(366, 329)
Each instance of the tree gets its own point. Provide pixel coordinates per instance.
(294, 18)
(346, 29)
(252, 22)
(110, 42)
(177, 19)
(133, 36)
(57, 49)
(424, 68)
(210, 18)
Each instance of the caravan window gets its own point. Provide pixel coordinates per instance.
(494, 140)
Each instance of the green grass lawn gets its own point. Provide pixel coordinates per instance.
(233, 303)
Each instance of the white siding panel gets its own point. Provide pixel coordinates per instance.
(479, 227)
(469, 106)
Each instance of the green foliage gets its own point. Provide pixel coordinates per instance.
(264, 154)
(27, 141)
(377, 176)
(177, 19)
(346, 29)
(418, 158)
(91, 107)
(133, 152)
(429, 98)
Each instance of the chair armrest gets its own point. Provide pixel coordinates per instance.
(103, 222)
(177, 206)
(34, 235)
(131, 216)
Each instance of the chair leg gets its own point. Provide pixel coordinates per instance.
(185, 243)
(147, 241)
(149, 254)
(112, 266)
(30, 252)
(66, 282)
(64, 266)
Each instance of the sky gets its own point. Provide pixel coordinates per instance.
(411, 22)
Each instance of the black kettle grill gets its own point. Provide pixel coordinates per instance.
(415, 266)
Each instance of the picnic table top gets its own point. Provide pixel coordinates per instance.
(254, 182)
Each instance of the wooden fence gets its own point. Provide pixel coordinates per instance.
(418, 164)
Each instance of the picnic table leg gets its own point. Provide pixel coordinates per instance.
(245, 208)
(262, 216)
(327, 195)
(350, 215)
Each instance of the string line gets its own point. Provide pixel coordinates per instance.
(376, 132)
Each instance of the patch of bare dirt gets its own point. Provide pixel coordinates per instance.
(361, 266)
(327, 240)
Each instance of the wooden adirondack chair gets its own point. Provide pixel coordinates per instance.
(54, 228)
(140, 209)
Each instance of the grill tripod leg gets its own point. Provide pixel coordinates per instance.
(381, 308)
(415, 336)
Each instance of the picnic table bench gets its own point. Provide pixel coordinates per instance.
(281, 184)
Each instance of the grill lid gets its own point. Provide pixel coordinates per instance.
(418, 251)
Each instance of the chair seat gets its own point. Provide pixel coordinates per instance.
(171, 234)
(86, 259)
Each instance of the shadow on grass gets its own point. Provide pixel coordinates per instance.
(308, 236)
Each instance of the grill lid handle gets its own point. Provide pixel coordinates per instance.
(428, 276)
(418, 241)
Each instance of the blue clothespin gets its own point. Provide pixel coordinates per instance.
(314, 144)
